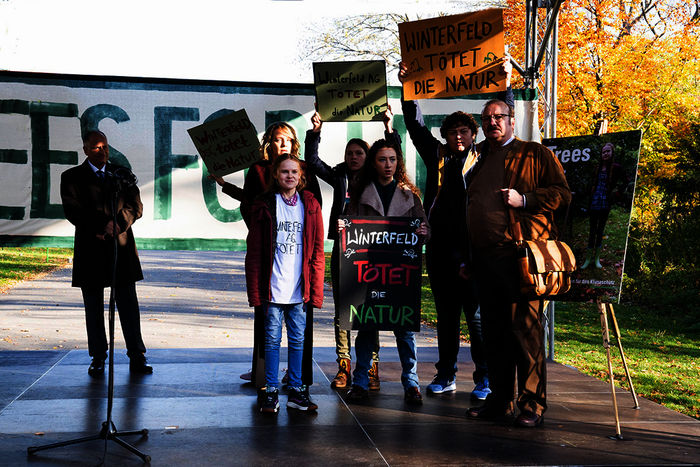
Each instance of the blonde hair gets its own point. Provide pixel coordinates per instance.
(267, 139)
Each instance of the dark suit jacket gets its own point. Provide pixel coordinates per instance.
(87, 205)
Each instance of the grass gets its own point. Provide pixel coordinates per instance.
(21, 264)
(662, 351)
(662, 348)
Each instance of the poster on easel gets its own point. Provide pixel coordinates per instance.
(601, 173)
(380, 273)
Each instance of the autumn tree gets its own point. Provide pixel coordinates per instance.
(634, 63)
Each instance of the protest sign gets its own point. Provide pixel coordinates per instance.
(453, 55)
(350, 91)
(380, 273)
(227, 144)
(601, 173)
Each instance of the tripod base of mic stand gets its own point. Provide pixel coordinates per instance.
(108, 432)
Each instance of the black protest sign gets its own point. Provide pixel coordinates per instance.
(601, 173)
(380, 273)
(227, 144)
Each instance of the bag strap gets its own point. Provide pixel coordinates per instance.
(515, 229)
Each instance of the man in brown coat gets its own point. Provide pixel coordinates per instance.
(86, 193)
(527, 178)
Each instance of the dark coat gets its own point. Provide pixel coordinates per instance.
(87, 205)
(436, 156)
(337, 177)
(256, 182)
(445, 194)
(259, 256)
(404, 203)
(539, 176)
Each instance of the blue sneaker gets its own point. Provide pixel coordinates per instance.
(481, 390)
(440, 385)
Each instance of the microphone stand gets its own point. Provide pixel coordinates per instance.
(109, 431)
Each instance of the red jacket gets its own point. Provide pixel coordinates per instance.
(260, 250)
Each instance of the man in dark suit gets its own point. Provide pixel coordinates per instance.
(86, 193)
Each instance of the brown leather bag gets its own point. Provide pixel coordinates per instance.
(545, 266)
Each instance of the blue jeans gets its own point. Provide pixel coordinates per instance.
(295, 317)
(405, 344)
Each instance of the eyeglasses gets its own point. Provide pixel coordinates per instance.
(497, 117)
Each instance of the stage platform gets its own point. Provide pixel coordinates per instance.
(198, 412)
(198, 329)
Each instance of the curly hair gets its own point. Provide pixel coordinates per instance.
(273, 185)
(369, 172)
(267, 139)
(456, 119)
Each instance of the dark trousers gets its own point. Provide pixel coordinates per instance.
(597, 221)
(454, 297)
(128, 307)
(258, 371)
(513, 333)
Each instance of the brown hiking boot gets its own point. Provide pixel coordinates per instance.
(342, 378)
(374, 377)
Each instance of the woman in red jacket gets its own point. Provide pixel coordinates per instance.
(279, 138)
(284, 267)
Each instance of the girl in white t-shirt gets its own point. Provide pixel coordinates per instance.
(284, 274)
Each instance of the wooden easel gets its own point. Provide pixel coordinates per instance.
(606, 309)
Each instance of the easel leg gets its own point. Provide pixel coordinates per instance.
(616, 331)
(606, 343)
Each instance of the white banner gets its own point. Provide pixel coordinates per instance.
(146, 122)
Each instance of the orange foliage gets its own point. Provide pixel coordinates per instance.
(630, 61)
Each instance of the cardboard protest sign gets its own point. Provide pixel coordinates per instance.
(453, 55)
(350, 91)
(601, 173)
(227, 144)
(380, 273)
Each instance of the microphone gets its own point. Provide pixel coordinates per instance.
(122, 176)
